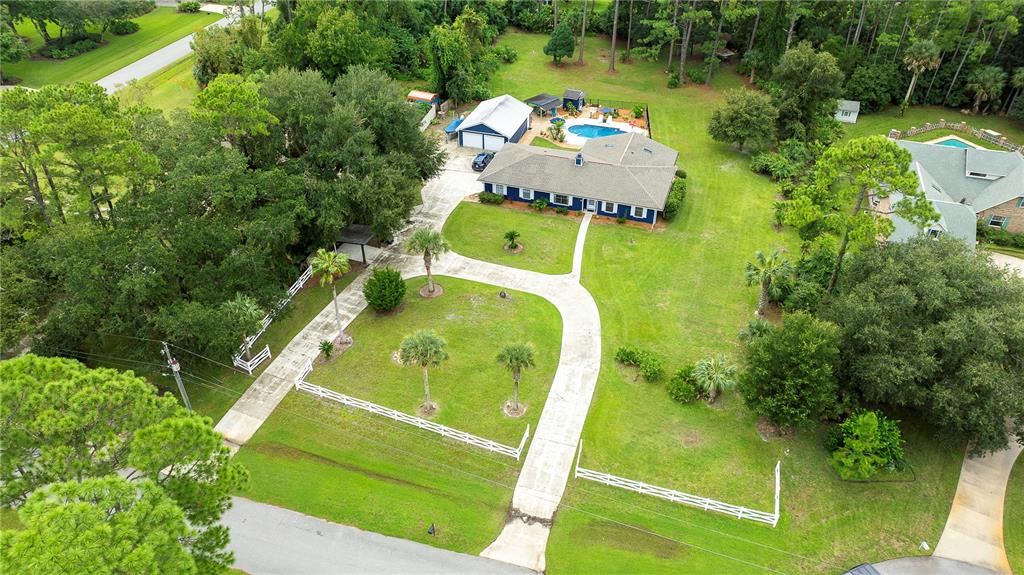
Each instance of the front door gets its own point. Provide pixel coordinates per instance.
(591, 205)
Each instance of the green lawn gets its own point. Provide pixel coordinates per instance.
(1013, 517)
(477, 231)
(169, 89)
(360, 469)
(546, 143)
(680, 293)
(158, 29)
(917, 116)
(935, 134)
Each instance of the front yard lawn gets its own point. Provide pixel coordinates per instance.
(680, 293)
(1013, 517)
(477, 230)
(157, 29)
(357, 468)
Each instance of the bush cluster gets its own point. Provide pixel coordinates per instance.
(987, 233)
(539, 205)
(188, 7)
(384, 289)
(69, 50)
(650, 367)
(620, 220)
(673, 80)
(681, 386)
(696, 75)
(491, 198)
(506, 54)
(123, 27)
(864, 444)
(675, 199)
(561, 210)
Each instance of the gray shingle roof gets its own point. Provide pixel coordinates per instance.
(849, 105)
(946, 168)
(544, 100)
(573, 94)
(626, 168)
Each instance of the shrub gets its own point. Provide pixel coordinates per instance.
(869, 441)
(63, 51)
(638, 111)
(561, 210)
(773, 164)
(696, 75)
(675, 199)
(998, 237)
(506, 54)
(384, 290)
(188, 7)
(620, 220)
(123, 27)
(491, 198)
(681, 173)
(681, 387)
(326, 348)
(570, 109)
(512, 239)
(673, 80)
(650, 367)
(539, 205)
(629, 355)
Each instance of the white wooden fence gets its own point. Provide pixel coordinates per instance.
(239, 358)
(964, 127)
(249, 365)
(428, 117)
(679, 497)
(437, 428)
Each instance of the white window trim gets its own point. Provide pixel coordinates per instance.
(614, 209)
(992, 222)
(499, 189)
(526, 193)
(641, 215)
(568, 199)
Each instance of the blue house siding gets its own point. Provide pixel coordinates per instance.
(577, 103)
(482, 129)
(577, 204)
(478, 128)
(522, 130)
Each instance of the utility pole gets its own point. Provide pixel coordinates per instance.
(175, 368)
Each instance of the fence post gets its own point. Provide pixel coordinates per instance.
(579, 455)
(777, 465)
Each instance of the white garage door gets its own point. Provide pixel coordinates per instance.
(471, 140)
(493, 142)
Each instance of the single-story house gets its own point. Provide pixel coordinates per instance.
(965, 185)
(847, 111)
(425, 97)
(494, 123)
(545, 104)
(578, 98)
(626, 175)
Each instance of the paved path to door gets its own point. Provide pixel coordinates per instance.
(270, 540)
(974, 529)
(548, 462)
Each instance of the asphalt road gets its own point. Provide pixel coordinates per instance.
(271, 540)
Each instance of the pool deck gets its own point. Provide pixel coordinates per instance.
(589, 115)
(938, 141)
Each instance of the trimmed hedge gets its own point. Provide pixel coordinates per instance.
(384, 289)
(123, 27)
(491, 198)
(61, 51)
(650, 367)
(675, 199)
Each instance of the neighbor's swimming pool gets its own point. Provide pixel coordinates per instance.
(954, 143)
(594, 131)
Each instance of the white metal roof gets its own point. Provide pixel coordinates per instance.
(503, 114)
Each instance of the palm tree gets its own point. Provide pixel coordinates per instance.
(987, 83)
(248, 314)
(424, 348)
(431, 244)
(714, 375)
(512, 237)
(764, 271)
(920, 56)
(330, 266)
(516, 357)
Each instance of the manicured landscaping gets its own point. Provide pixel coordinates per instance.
(364, 470)
(936, 134)
(477, 230)
(157, 29)
(169, 89)
(881, 122)
(546, 143)
(1013, 518)
(680, 293)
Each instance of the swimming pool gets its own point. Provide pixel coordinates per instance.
(594, 131)
(954, 143)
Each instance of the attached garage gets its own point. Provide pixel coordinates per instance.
(494, 123)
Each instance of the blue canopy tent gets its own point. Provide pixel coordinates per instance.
(452, 129)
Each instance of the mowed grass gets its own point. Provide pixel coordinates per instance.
(478, 230)
(357, 468)
(1013, 517)
(169, 89)
(470, 387)
(880, 123)
(157, 29)
(546, 143)
(680, 293)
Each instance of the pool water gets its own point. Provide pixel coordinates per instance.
(954, 143)
(594, 131)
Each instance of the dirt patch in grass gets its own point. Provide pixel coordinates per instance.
(627, 539)
(691, 438)
(425, 291)
(275, 449)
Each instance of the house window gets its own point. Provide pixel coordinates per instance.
(499, 189)
(934, 233)
(977, 175)
(846, 113)
(560, 199)
(526, 194)
(1020, 202)
(639, 212)
(997, 221)
(610, 207)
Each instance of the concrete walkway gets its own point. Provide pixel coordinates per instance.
(974, 529)
(1014, 264)
(271, 540)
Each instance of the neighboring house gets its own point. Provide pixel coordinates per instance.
(626, 175)
(494, 123)
(964, 185)
(578, 98)
(848, 111)
(545, 103)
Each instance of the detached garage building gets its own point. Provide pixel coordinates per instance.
(494, 123)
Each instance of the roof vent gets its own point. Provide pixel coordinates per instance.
(579, 159)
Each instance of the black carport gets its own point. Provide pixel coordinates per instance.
(357, 234)
(546, 103)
